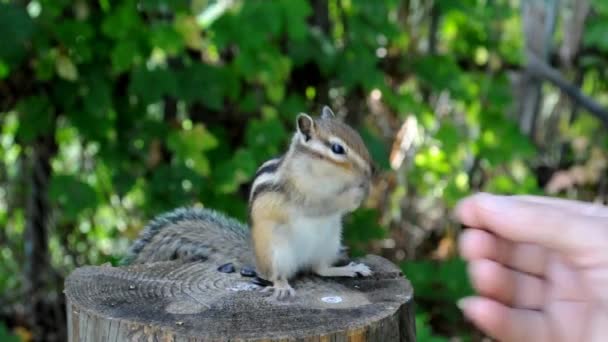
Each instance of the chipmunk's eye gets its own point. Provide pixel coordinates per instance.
(337, 148)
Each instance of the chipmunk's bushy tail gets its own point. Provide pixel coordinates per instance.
(191, 234)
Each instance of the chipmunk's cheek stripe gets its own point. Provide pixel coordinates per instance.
(265, 188)
(269, 167)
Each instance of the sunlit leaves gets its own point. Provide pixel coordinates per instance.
(188, 28)
(450, 137)
(65, 68)
(190, 146)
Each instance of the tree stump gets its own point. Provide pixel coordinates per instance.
(176, 301)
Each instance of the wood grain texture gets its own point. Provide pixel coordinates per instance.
(174, 301)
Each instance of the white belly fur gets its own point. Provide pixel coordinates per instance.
(307, 242)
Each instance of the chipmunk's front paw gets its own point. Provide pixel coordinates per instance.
(281, 291)
(359, 269)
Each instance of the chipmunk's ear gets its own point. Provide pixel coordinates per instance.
(306, 125)
(327, 113)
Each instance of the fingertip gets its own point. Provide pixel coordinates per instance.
(484, 313)
(465, 209)
(465, 303)
(502, 322)
(475, 307)
(488, 279)
(476, 244)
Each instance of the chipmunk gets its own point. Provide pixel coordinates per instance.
(296, 205)
(297, 202)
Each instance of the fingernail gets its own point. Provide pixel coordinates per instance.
(493, 202)
(462, 303)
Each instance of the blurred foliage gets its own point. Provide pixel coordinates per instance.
(6, 335)
(155, 104)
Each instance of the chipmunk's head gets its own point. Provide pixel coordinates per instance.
(334, 156)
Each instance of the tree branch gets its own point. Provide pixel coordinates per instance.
(543, 71)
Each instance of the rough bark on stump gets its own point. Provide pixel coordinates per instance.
(174, 301)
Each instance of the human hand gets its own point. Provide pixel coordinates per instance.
(539, 265)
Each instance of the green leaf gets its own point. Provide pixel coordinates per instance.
(191, 145)
(16, 30)
(377, 148)
(125, 54)
(295, 13)
(35, 116)
(166, 189)
(166, 38)
(449, 136)
(123, 20)
(601, 6)
(94, 117)
(595, 33)
(151, 85)
(265, 137)
(5, 334)
(190, 31)
(73, 195)
(207, 84)
(76, 36)
(229, 175)
(45, 65)
(263, 17)
(362, 226)
(4, 69)
(358, 67)
(424, 332)
(446, 280)
(440, 73)
(164, 5)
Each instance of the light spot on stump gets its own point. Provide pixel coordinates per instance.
(242, 286)
(332, 299)
(185, 307)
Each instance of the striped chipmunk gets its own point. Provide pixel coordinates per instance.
(296, 205)
(297, 202)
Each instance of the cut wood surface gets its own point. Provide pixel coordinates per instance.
(174, 301)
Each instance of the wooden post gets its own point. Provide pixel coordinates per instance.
(174, 301)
